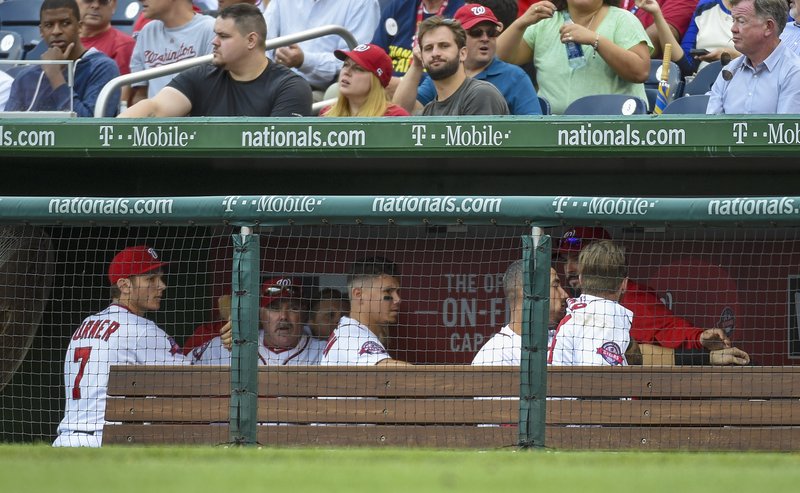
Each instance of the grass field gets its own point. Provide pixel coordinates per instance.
(40, 468)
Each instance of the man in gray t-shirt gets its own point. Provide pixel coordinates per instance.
(176, 33)
(442, 47)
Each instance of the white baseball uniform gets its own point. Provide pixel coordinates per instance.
(595, 332)
(307, 352)
(115, 336)
(504, 349)
(353, 344)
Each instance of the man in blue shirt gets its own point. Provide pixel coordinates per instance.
(482, 29)
(766, 78)
(44, 87)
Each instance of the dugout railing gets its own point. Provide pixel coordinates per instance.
(727, 262)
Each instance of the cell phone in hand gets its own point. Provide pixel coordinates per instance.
(698, 52)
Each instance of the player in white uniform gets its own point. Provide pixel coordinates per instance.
(282, 340)
(505, 347)
(118, 335)
(596, 329)
(358, 340)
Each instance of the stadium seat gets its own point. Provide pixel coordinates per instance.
(651, 85)
(11, 47)
(125, 15)
(688, 105)
(545, 104)
(22, 17)
(607, 104)
(704, 79)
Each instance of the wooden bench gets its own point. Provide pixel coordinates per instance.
(685, 408)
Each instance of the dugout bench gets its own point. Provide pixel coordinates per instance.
(677, 408)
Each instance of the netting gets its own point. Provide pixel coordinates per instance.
(446, 301)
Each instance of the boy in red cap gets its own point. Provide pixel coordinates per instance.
(283, 338)
(118, 335)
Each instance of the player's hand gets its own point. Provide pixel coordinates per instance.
(713, 339)
(291, 56)
(226, 335)
(729, 356)
(536, 12)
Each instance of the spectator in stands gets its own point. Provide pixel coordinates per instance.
(677, 13)
(653, 323)
(791, 33)
(176, 33)
(596, 328)
(97, 32)
(766, 78)
(397, 30)
(482, 29)
(442, 48)
(504, 10)
(118, 335)
(314, 59)
(360, 338)
(505, 347)
(44, 87)
(326, 311)
(362, 82)
(241, 81)
(261, 4)
(282, 340)
(709, 29)
(5, 88)
(615, 46)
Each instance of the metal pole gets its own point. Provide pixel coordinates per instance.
(244, 319)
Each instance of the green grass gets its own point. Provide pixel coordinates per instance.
(40, 468)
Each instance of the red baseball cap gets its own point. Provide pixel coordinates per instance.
(134, 261)
(576, 238)
(279, 288)
(372, 58)
(472, 13)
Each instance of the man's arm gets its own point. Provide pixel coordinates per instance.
(405, 95)
(168, 102)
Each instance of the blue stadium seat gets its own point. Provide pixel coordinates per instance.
(22, 17)
(126, 13)
(704, 79)
(607, 104)
(545, 104)
(11, 47)
(651, 85)
(688, 105)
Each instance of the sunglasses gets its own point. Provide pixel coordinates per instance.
(478, 32)
(101, 2)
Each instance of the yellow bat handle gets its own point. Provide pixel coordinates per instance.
(665, 63)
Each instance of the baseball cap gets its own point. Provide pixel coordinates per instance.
(576, 238)
(372, 58)
(472, 13)
(277, 289)
(134, 261)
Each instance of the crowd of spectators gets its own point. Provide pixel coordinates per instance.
(612, 43)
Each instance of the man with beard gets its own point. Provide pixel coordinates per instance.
(44, 87)
(482, 29)
(360, 338)
(283, 340)
(442, 51)
(241, 82)
(505, 347)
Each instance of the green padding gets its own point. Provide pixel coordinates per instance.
(244, 360)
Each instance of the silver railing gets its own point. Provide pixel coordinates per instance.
(176, 67)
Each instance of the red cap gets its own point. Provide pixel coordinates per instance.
(472, 13)
(576, 238)
(278, 289)
(133, 261)
(372, 58)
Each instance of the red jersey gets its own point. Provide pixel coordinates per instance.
(654, 323)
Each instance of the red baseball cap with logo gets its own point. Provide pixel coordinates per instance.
(372, 58)
(134, 261)
(576, 238)
(472, 13)
(279, 288)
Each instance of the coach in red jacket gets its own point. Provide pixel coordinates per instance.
(653, 323)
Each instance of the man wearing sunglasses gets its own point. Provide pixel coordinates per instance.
(96, 32)
(283, 338)
(482, 29)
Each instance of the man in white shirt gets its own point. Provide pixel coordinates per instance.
(360, 338)
(505, 347)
